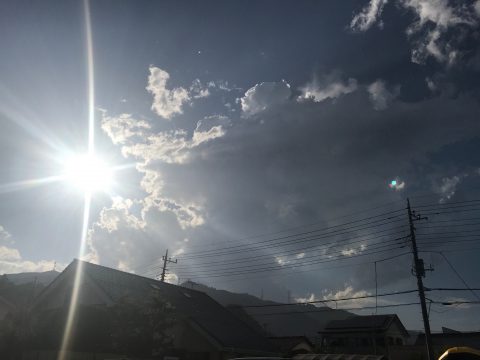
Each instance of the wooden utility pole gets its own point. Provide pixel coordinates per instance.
(419, 270)
(166, 260)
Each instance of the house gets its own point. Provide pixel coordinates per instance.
(290, 346)
(372, 334)
(205, 330)
(450, 338)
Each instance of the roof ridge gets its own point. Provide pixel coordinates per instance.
(136, 276)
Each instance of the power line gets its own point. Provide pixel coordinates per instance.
(299, 260)
(450, 212)
(451, 232)
(459, 276)
(295, 272)
(447, 204)
(362, 238)
(451, 289)
(447, 226)
(447, 241)
(380, 244)
(352, 214)
(451, 220)
(356, 227)
(344, 309)
(334, 299)
(286, 267)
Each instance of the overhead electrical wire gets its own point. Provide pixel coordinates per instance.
(322, 268)
(383, 244)
(287, 267)
(344, 309)
(334, 299)
(329, 245)
(322, 235)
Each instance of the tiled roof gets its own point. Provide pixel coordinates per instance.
(197, 306)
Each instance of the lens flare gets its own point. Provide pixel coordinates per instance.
(88, 173)
(91, 164)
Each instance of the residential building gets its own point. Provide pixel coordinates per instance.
(372, 334)
(205, 330)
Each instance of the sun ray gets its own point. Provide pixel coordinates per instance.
(30, 183)
(86, 213)
(76, 283)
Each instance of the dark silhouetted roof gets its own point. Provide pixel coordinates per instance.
(287, 343)
(364, 323)
(196, 306)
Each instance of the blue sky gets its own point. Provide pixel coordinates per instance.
(233, 119)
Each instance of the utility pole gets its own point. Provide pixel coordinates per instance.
(166, 260)
(419, 270)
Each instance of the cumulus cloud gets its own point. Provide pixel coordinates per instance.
(349, 292)
(329, 87)
(264, 95)
(119, 211)
(166, 102)
(11, 260)
(380, 96)
(435, 30)
(128, 219)
(221, 179)
(9, 254)
(368, 16)
(123, 127)
(173, 146)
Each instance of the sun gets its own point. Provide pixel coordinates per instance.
(88, 173)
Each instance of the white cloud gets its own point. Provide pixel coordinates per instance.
(330, 296)
(380, 96)
(434, 19)
(477, 7)
(123, 127)
(349, 292)
(9, 254)
(330, 87)
(428, 33)
(448, 187)
(5, 236)
(431, 84)
(368, 16)
(353, 251)
(198, 91)
(174, 146)
(119, 211)
(11, 260)
(264, 95)
(308, 298)
(166, 102)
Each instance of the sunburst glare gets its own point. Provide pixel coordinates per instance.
(88, 173)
